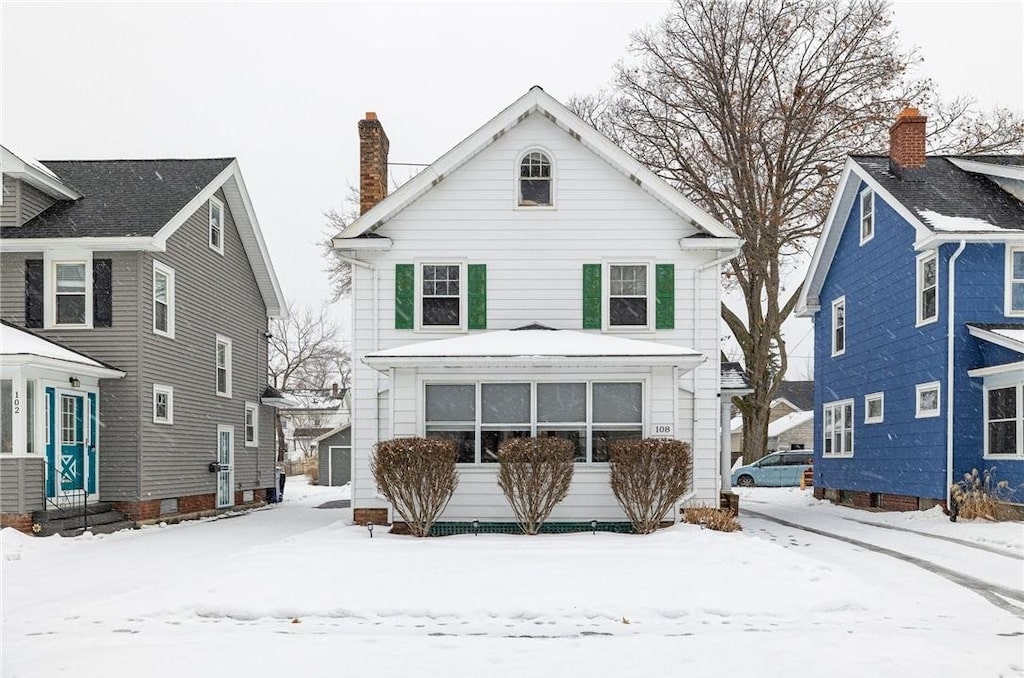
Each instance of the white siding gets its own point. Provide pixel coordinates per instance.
(534, 261)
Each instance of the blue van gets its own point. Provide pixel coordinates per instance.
(777, 469)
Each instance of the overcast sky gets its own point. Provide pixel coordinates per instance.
(282, 85)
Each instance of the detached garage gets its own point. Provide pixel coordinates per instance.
(334, 452)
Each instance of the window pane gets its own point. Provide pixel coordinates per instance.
(222, 355)
(505, 403)
(1002, 403)
(535, 192)
(464, 438)
(6, 412)
(160, 316)
(618, 403)
(1002, 437)
(929, 400)
(222, 380)
(70, 309)
(928, 309)
(1018, 296)
(561, 402)
(627, 280)
(441, 311)
(490, 442)
(627, 311)
(928, 273)
(770, 461)
(161, 405)
(451, 402)
(575, 436)
(71, 278)
(874, 409)
(160, 287)
(1018, 265)
(602, 439)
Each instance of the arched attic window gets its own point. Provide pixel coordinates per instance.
(535, 180)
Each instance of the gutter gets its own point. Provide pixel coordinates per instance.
(951, 296)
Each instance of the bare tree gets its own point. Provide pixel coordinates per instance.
(750, 108)
(303, 353)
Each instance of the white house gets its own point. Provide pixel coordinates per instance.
(534, 280)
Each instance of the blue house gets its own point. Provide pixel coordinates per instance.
(916, 289)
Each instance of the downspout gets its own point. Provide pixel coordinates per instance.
(950, 326)
(696, 336)
(375, 342)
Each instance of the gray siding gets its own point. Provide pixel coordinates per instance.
(214, 294)
(9, 208)
(21, 484)
(33, 201)
(117, 346)
(341, 460)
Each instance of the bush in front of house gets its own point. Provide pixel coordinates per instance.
(534, 474)
(418, 477)
(649, 477)
(980, 495)
(720, 520)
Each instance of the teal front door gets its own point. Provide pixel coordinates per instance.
(70, 423)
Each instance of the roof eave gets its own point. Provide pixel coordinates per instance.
(382, 363)
(14, 166)
(60, 365)
(360, 244)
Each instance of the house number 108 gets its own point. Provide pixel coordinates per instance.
(663, 429)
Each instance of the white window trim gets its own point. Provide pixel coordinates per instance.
(606, 283)
(169, 392)
(839, 406)
(255, 442)
(869, 398)
(840, 301)
(869, 195)
(533, 380)
(515, 179)
(223, 220)
(50, 261)
(169, 273)
(221, 339)
(921, 260)
(463, 297)
(1019, 454)
(1008, 309)
(924, 388)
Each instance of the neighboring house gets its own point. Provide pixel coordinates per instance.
(308, 413)
(917, 293)
(535, 280)
(790, 422)
(155, 270)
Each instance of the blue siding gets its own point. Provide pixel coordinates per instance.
(886, 352)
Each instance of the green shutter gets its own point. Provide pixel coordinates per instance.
(591, 296)
(405, 295)
(665, 296)
(476, 275)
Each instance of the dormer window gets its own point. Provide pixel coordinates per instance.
(535, 180)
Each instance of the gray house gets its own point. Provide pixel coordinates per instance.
(156, 271)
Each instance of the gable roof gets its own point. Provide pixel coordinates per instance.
(35, 174)
(139, 204)
(953, 198)
(799, 394)
(535, 101)
(120, 197)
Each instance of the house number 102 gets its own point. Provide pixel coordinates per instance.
(663, 429)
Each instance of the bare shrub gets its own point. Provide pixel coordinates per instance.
(979, 495)
(418, 477)
(720, 520)
(534, 474)
(648, 477)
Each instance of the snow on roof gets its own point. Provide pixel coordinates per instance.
(788, 422)
(734, 378)
(1014, 335)
(15, 341)
(544, 342)
(942, 222)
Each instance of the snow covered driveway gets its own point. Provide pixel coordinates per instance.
(295, 591)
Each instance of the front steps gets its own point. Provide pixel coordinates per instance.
(99, 518)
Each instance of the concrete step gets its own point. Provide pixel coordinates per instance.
(76, 524)
(58, 514)
(106, 528)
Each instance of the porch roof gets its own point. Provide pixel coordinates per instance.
(19, 346)
(535, 346)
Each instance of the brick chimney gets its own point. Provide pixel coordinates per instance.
(906, 144)
(373, 162)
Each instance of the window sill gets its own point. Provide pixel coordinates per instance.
(252, 444)
(837, 456)
(67, 327)
(839, 353)
(224, 395)
(1003, 457)
(874, 421)
(164, 422)
(930, 321)
(534, 208)
(927, 415)
(440, 329)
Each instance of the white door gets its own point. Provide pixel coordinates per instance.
(226, 459)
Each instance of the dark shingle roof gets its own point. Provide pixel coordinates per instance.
(120, 197)
(944, 189)
(800, 393)
(734, 376)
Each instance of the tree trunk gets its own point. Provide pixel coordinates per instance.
(282, 446)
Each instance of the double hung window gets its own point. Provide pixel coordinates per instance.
(71, 293)
(441, 295)
(535, 180)
(838, 429)
(628, 302)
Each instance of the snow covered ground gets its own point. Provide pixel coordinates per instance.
(294, 590)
